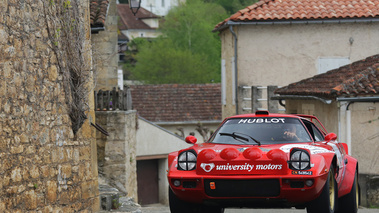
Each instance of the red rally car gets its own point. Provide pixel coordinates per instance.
(265, 160)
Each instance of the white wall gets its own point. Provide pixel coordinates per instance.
(191, 127)
(153, 140)
(162, 181)
(159, 7)
(284, 54)
(131, 34)
(292, 51)
(364, 134)
(152, 22)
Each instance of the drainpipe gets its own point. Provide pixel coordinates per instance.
(348, 115)
(235, 68)
(348, 129)
(95, 30)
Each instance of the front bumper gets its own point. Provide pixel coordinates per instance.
(245, 191)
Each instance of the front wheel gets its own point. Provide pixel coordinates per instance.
(350, 202)
(177, 205)
(180, 206)
(327, 200)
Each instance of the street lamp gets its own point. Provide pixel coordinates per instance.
(134, 6)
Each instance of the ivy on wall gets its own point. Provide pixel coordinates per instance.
(65, 24)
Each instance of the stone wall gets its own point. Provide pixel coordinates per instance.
(117, 152)
(369, 188)
(105, 51)
(44, 167)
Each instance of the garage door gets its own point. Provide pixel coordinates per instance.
(147, 180)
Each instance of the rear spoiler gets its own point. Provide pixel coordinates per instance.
(312, 118)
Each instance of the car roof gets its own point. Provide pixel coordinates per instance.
(263, 114)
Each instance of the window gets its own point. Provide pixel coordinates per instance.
(317, 134)
(163, 3)
(313, 130)
(266, 130)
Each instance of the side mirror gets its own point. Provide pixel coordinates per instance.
(345, 147)
(191, 139)
(331, 137)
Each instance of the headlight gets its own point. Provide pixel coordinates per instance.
(299, 159)
(187, 160)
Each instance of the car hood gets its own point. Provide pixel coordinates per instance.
(222, 159)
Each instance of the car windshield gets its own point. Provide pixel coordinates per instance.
(268, 130)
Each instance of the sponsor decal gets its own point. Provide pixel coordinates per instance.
(312, 149)
(207, 167)
(228, 167)
(262, 120)
(338, 153)
(302, 172)
(212, 185)
(269, 167)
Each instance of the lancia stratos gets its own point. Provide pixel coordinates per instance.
(264, 160)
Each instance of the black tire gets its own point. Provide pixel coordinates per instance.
(350, 202)
(326, 202)
(177, 205)
(180, 206)
(211, 209)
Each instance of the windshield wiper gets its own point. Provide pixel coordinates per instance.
(240, 137)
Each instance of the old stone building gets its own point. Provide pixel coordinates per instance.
(104, 43)
(47, 164)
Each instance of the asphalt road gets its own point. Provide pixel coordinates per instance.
(165, 209)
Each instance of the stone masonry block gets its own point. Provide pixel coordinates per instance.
(89, 189)
(113, 148)
(30, 199)
(64, 198)
(85, 153)
(2, 204)
(34, 171)
(51, 191)
(45, 171)
(16, 174)
(65, 170)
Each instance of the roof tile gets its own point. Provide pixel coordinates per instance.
(130, 21)
(269, 10)
(177, 102)
(98, 12)
(356, 79)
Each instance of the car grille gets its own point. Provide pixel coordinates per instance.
(242, 188)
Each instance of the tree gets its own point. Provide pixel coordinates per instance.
(188, 51)
(160, 62)
(232, 6)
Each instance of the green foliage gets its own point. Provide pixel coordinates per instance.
(115, 203)
(187, 52)
(67, 4)
(232, 6)
(130, 55)
(161, 63)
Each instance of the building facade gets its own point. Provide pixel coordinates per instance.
(47, 164)
(264, 46)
